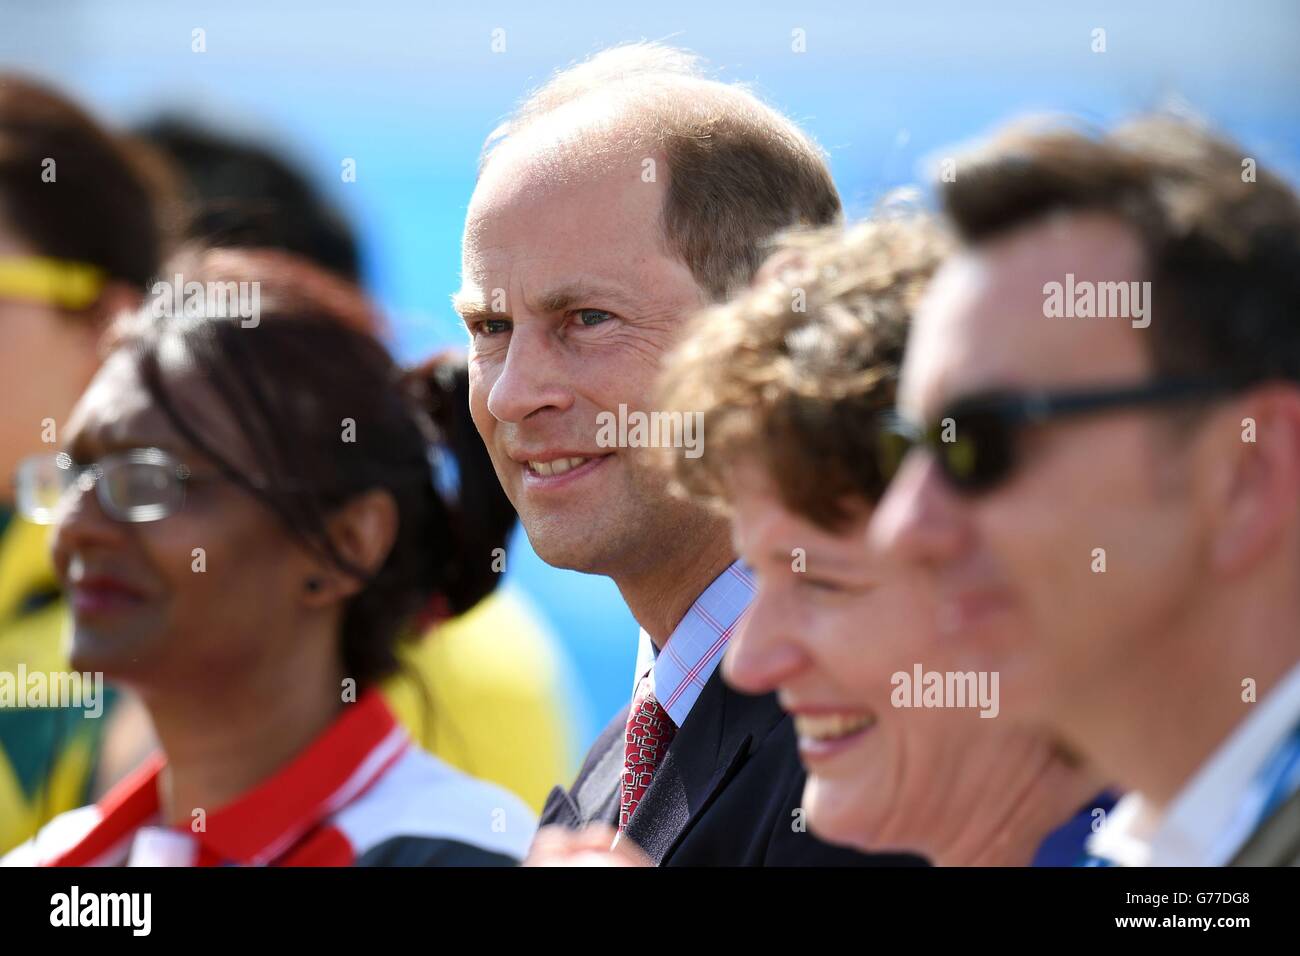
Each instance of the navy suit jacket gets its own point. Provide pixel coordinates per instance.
(726, 793)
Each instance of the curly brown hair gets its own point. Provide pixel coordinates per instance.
(795, 372)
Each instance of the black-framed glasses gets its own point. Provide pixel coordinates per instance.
(137, 485)
(975, 441)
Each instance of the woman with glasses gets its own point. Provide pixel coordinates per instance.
(247, 521)
(80, 235)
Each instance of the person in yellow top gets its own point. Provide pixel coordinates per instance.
(48, 754)
(79, 236)
(495, 710)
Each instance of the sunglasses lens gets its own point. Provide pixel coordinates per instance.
(892, 447)
(138, 491)
(980, 454)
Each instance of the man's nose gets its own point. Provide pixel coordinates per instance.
(918, 521)
(533, 377)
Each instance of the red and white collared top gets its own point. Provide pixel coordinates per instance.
(360, 794)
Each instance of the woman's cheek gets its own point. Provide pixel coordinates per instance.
(861, 653)
(176, 576)
(196, 554)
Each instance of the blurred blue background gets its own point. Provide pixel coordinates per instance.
(410, 89)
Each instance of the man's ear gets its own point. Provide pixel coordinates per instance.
(1258, 495)
(363, 531)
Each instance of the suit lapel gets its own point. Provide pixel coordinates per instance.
(596, 798)
(710, 747)
(560, 810)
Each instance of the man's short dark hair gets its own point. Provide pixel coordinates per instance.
(1221, 235)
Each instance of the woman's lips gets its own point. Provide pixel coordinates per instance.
(822, 736)
(100, 596)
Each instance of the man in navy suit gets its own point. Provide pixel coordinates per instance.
(620, 198)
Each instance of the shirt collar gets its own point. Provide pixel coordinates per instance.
(1211, 817)
(691, 654)
(265, 822)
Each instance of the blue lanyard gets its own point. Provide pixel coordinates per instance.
(1275, 781)
(1280, 775)
(1271, 786)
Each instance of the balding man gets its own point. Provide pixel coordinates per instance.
(620, 198)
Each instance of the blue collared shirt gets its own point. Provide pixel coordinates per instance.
(691, 654)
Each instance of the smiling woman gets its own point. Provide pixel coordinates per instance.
(248, 522)
(792, 381)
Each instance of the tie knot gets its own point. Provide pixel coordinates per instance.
(647, 703)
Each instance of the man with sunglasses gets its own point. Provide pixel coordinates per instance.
(1111, 512)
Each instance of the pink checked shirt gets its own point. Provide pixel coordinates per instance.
(678, 672)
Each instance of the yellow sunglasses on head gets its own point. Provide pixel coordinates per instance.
(59, 282)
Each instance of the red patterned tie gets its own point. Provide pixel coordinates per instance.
(649, 732)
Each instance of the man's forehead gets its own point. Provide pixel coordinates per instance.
(602, 234)
(985, 321)
(559, 152)
(527, 188)
(581, 134)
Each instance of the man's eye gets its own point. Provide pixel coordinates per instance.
(494, 326)
(593, 316)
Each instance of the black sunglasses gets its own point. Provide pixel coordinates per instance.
(974, 441)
